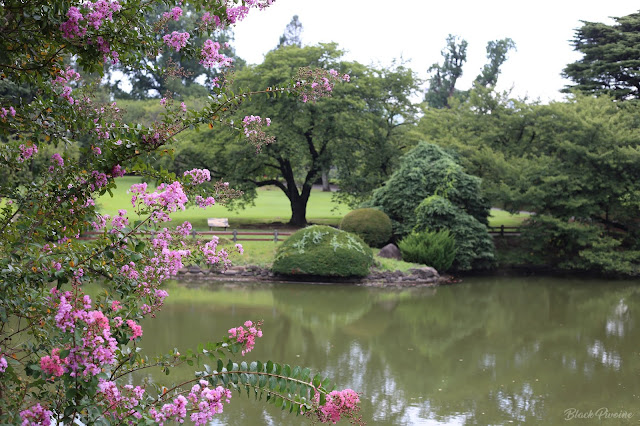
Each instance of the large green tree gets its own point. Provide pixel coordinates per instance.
(611, 58)
(356, 131)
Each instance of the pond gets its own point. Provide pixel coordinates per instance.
(485, 351)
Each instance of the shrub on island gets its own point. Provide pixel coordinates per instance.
(372, 225)
(323, 251)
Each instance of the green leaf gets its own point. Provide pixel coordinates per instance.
(317, 380)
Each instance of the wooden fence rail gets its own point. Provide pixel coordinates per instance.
(274, 236)
(504, 231)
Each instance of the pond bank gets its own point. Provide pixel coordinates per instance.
(416, 277)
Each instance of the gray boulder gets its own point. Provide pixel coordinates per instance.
(390, 251)
(425, 272)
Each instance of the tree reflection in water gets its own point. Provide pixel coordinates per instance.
(486, 351)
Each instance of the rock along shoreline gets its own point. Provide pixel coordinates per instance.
(416, 277)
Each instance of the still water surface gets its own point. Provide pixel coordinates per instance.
(485, 351)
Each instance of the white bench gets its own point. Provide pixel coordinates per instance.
(218, 222)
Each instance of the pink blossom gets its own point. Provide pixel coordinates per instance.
(70, 28)
(52, 364)
(66, 94)
(198, 176)
(184, 229)
(207, 18)
(177, 411)
(208, 401)
(118, 171)
(121, 401)
(4, 112)
(174, 14)
(135, 329)
(211, 56)
(27, 152)
(239, 248)
(183, 107)
(246, 335)
(3, 364)
(203, 203)
(339, 404)
(176, 40)
(57, 158)
(163, 101)
(96, 150)
(36, 415)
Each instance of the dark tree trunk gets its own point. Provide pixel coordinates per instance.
(299, 210)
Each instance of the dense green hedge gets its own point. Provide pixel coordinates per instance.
(323, 251)
(372, 225)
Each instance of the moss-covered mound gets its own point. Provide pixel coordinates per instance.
(323, 251)
(372, 225)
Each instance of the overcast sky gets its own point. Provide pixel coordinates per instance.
(375, 31)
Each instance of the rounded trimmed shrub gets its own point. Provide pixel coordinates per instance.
(372, 225)
(432, 248)
(323, 251)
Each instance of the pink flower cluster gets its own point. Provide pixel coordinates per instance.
(119, 222)
(238, 13)
(118, 171)
(212, 57)
(97, 347)
(69, 74)
(253, 130)
(174, 14)
(27, 152)
(176, 40)
(246, 335)
(177, 411)
(100, 180)
(340, 404)
(317, 83)
(36, 415)
(96, 13)
(203, 203)
(169, 197)
(3, 364)
(57, 159)
(52, 365)
(214, 257)
(198, 176)
(121, 403)
(4, 112)
(136, 329)
(209, 19)
(209, 402)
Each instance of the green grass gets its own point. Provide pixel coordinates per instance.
(394, 265)
(502, 217)
(271, 205)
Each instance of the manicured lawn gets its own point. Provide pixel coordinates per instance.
(501, 217)
(271, 205)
